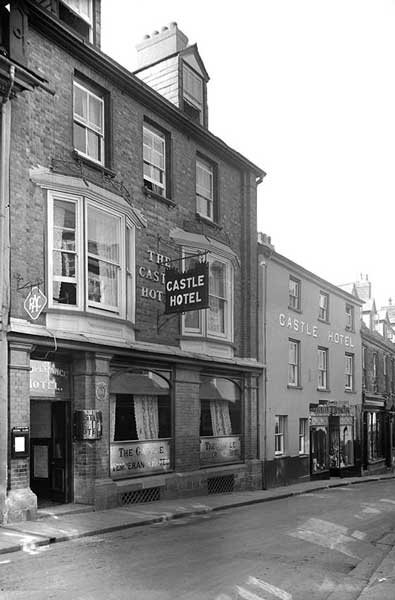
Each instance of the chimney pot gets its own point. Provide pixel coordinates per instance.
(158, 46)
(156, 32)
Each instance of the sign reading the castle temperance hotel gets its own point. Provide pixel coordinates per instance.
(187, 290)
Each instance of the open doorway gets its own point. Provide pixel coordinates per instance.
(50, 444)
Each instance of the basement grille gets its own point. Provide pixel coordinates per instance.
(221, 485)
(140, 496)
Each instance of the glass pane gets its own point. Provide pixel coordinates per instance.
(103, 235)
(96, 112)
(102, 282)
(64, 264)
(80, 102)
(94, 141)
(216, 315)
(217, 279)
(79, 138)
(64, 292)
(64, 214)
(192, 320)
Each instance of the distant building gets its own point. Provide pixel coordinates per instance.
(312, 388)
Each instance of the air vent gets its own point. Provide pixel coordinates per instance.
(140, 496)
(221, 485)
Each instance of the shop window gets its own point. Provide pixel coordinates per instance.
(90, 255)
(294, 289)
(322, 368)
(142, 417)
(216, 321)
(341, 445)
(155, 159)
(303, 436)
(364, 372)
(205, 189)
(220, 421)
(349, 372)
(293, 363)
(193, 94)
(323, 312)
(280, 431)
(89, 122)
(375, 435)
(319, 448)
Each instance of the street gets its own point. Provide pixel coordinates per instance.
(300, 548)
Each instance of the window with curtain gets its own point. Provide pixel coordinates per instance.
(154, 160)
(90, 253)
(220, 408)
(142, 417)
(205, 189)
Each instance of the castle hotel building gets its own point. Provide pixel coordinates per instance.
(114, 179)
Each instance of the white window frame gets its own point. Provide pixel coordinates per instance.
(349, 317)
(322, 368)
(294, 288)
(280, 432)
(89, 126)
(201, 196)
(162, 138)
(323, 311)
(126, 294)
(192, 99)
(203, 317)
(303, 436)
(294, 367)
(349, 372)
(77, 7)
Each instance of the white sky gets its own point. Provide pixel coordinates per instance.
(306, 90)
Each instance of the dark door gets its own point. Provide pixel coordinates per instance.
(59, 457)
(50, 453)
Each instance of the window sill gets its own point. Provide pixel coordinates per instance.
(209, 222)
(277, 456)
(88, 314)
(205, 338)
(297, 310)
(349, 330)
(155, 196)
(294, 387)
(326, 321)
(94, 165)
(350, 392)
(323, 390)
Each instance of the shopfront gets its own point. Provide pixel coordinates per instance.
(332, 437)
(377, 418)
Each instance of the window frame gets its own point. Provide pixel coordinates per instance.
(280, 423)
(188, 99)
(203, 315)
(210, 167)
(295, 366)
(323, 371)
(102, 97)
(164, 136)
(349, 372)
(350, 316)
(323, 310)
(303, 436)
(125, 292)
(294, 305)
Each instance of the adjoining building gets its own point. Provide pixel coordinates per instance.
(111, 399)
(312, 386)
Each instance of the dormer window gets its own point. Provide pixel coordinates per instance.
(77, 14)
(193, 100)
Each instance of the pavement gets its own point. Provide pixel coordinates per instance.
(374, 580)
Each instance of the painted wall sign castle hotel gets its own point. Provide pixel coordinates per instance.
(308, 329)
(183, 290)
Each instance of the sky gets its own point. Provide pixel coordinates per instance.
(305, 89)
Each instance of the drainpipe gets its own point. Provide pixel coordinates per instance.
(5, 145)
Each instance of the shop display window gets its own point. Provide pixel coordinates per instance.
(220, 421)
(319, 449)
(375, 435)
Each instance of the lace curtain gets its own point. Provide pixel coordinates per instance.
(146, 416)
(220, 417)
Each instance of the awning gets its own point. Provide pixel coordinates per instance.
(219, 389)
(137, 383)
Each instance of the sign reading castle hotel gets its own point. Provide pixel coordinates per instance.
(308, 329)
(187, 290)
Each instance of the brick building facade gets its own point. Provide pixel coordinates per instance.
(111, 401)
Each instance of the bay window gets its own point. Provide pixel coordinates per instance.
(89, 255)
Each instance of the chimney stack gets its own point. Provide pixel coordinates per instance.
(159, 45)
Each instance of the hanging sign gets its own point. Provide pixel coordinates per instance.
(35, 303)
(187, 290)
